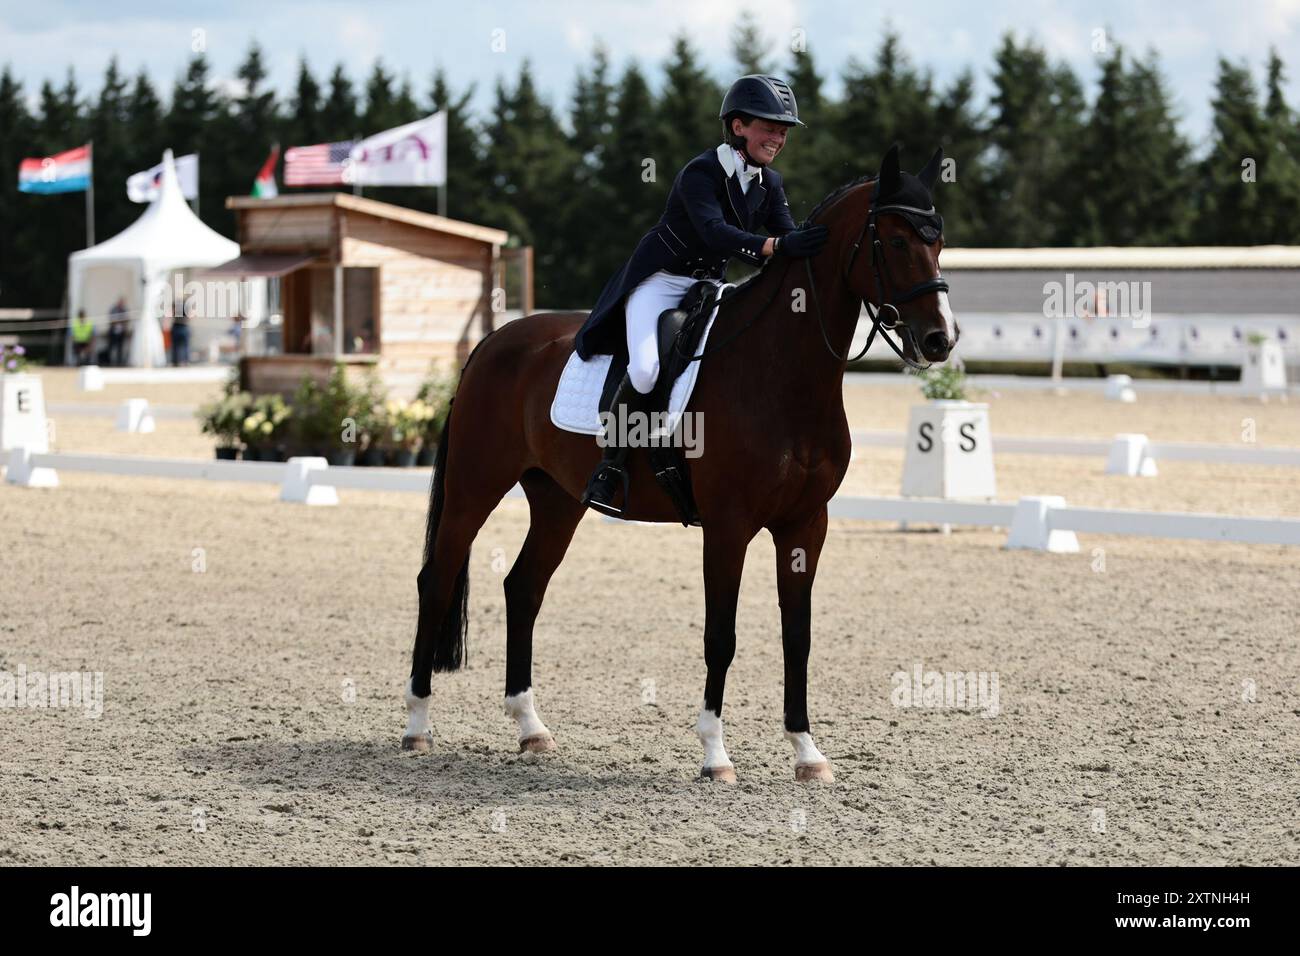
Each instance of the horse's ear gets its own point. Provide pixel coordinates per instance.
(889, 175)
(931, 171)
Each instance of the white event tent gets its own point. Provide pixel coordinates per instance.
(139, 266)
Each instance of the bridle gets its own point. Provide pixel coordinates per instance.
(876, 311)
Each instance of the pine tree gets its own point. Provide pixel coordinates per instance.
(115, 158)
(17, 286)
(1279, 169)
(749, 46)
(256, 120)
(303, 125)
(466, 178)
(338, 117)
(1035, 129)
(688, 111)
(1230, 209)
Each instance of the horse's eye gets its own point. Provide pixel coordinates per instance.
(897, 242)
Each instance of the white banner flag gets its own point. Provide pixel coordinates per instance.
(143, 187)
(410, 155)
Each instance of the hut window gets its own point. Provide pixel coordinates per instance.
(360, 310)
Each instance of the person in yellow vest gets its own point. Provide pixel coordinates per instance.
(83, 336)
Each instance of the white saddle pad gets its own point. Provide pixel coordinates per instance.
(576, 407)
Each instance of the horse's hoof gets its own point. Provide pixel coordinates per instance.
(808, 772)
(537, 744)
(726, 774)
(422, 743)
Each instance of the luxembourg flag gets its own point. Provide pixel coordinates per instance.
(61, 173)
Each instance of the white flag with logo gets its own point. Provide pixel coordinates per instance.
(143, 187)
(410, 155)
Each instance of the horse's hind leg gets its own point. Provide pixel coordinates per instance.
(554, 516)
(460, 503)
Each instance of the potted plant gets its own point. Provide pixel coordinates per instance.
(340, 411)
(13, 359)
(436, 392)
(264, 428)
(408, 422)
(949, 452)
(310, 428)
(372, 421)
(224, 421)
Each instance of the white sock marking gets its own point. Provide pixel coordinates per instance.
(521, 708)
(417, 724)
(709, 730)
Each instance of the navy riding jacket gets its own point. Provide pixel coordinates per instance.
(707, 220)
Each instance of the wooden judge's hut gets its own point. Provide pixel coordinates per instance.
(365, 283)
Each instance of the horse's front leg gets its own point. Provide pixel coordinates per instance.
(724, 562)
(798, 546)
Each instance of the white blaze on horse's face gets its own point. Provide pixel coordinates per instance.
(949, 320)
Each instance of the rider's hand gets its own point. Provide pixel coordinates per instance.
(802, 242)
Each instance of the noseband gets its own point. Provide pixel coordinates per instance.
(921, 221)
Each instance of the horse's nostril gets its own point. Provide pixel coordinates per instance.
(936, 343)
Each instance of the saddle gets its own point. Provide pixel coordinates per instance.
(679, 333)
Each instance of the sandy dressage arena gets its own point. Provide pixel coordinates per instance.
(1147, 705)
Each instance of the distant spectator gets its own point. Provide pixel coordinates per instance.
(117, 332)
(181, 337)
(83, 337)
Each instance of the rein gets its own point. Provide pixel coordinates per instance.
(874, 311)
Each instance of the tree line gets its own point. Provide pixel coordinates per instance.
(1046, 161)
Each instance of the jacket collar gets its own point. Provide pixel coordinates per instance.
(728, 158)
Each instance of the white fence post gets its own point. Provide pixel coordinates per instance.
(134, 416)
(22, 473)
(298, 485)
(1031, 526)
(1130, 455)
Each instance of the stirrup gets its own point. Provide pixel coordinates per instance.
(599, 478)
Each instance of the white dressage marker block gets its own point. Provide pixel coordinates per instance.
(1119, 388)
(134, 416)
(22, 413)
(298, 485)
(1131, 455)
(1031, 527)
(949, 452)
(1264, 369)
(24, 475)
(90, 378)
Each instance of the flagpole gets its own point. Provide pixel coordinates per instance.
(90, 194)
(442, 200)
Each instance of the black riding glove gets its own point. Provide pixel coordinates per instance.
(802, 242)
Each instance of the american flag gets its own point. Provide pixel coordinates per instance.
(319, 165)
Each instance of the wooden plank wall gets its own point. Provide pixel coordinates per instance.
(433, 294)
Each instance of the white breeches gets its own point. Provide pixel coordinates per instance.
(645, 304)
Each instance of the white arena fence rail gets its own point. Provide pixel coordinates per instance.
(1100, 447)
(1041, 523)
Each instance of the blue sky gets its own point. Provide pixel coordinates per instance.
(40, 40)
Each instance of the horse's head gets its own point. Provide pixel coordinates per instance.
(894, 266)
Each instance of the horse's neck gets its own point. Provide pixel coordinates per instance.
(801, 367)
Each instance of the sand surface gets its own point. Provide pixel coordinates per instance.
(1148, 692)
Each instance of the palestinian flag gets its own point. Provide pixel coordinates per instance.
(264, 185)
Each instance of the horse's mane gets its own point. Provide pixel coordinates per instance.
(747, 284)
(836, 193)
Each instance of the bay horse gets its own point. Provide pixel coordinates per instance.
(777, 448)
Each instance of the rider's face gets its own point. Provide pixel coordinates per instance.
(763, 138)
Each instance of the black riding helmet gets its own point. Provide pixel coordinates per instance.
(766, 97)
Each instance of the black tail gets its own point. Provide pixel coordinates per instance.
(449, 643)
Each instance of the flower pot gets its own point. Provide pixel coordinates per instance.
(404, 458)
(227, 454)
(341, 457)
(425, 458)
(274, 453)
(252, 453)
(373, 457)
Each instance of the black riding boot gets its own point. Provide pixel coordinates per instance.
(610, 477)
